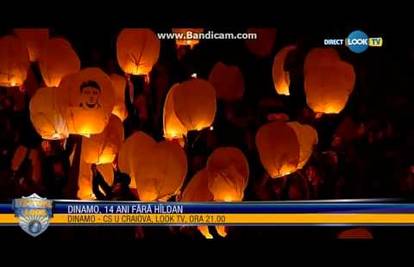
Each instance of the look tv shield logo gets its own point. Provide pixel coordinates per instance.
(34, 213)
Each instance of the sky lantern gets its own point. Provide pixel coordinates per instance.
(137, 50)
(278, 148)
(85, 191)
(281, 78)
(173, 128)
(119, 84)
(90, 99)
(307, 137)
(328, 86)
(47, 116)
(228, 172)
(187, 42)
(14, 61)
(228, 81)
(133, 151)
(102, 148)
(57, 59)
(320, 56)
(195, 104)
(34, 39)
(263, 45)
(197, 191)
(161, 173)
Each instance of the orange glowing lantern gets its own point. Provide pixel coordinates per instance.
(119, 85)
(14, 61)
(278, 148)
(161, 173)
(228, 173)
(187, 32)
(328, 87)
(57, 59)
(90, 99)
(261, 46)
(47, 116)
(307, 137)
(173, 128)
(228, 82)
(197, 191)
(195, 104)
(102, 148)
(320, 57)
(281, 78)
(137, 50)
(34, 39)
(134, 151)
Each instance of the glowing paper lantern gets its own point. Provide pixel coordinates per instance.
(162, 172)
(14, 61)
(195, 104)
(307, 137)
(263, 45)
(57, 59)
(102, 148)
(187, 42)
(133, 152)
(173, 128)
(228, 82)
(34, 39)
(281, 78)
(328, 87)
(137, 50)
(278, 148)
(197, 189)
(90, 99)
(119, 84)
(47, 116)
(228, 173)
(320, 57)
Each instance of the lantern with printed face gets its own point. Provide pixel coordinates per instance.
(47, 116)
(34, 39)
(281, 78)
(90, 99)
(57, 59)
(137, 50)
(228, 82)
(195, 104)
(14, 61)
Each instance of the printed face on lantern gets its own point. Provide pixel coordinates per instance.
(90, 92)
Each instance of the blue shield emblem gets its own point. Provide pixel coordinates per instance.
(34, 213)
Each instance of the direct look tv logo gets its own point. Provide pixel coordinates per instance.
(357, 42)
